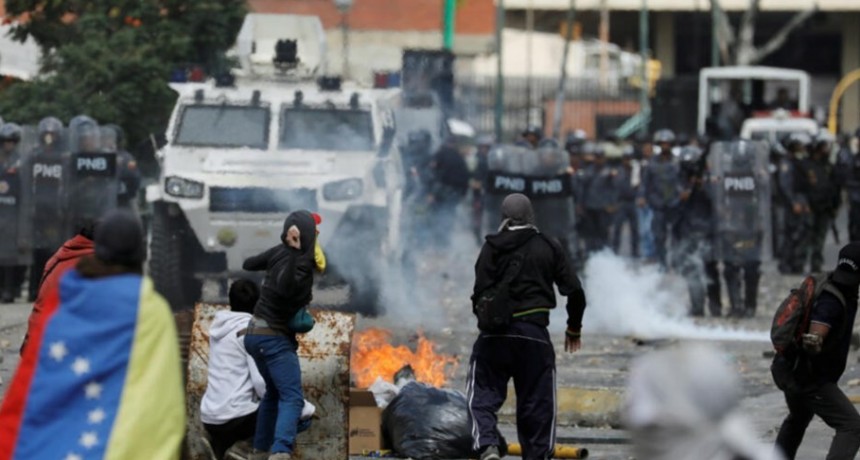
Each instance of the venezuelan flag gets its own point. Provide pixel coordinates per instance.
(101, 379)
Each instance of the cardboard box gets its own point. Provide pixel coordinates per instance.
(365, 422)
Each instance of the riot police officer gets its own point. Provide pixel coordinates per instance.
(11, 266)
(46, 169)
(795, 188)
(848, 175)
(479, 177)
(113, 140)
(92, 184)
(451, 178)
(824, 197)
(532, 135)
(661, 189)
(694, 234)
(626, 192)
(600, 202)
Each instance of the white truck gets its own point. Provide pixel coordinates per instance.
(239, 158)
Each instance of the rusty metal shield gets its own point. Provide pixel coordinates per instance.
(324, 356)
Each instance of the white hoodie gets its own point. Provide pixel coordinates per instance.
(235, 386)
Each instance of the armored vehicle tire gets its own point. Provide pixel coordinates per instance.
(168, 264)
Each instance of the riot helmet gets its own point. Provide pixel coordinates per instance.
(50, 129)
(10, 132)
(575, 139)
(84, 135)
(533, 135)
(664, 136)
(691, 159)
(823, 142)
(113, 137)
(798, 141)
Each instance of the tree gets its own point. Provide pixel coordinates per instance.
(112, 59)
(739, 48)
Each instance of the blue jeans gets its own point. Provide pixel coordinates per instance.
(646, 239)
(281, 407)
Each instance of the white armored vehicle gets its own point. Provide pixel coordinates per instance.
(280, 138)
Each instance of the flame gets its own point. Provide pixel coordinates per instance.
(373, 356)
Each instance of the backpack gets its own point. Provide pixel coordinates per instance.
(792, 318)
(494, 307)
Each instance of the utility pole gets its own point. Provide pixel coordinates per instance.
(559, 95)
(500, 81)
(644, 103)
(449, 24)
(344, 6)
(530, 28)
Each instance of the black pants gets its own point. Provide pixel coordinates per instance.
(524, 353)
(10, 282)
(854, 221)
(743, 296)
(626, 215)
(598, 223)
(829, 403)
(41, 256)
(224, 436)
(661, 227)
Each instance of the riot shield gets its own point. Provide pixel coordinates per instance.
(45, 172)
(741, 200)
(11, 214)
(539, 174)
(92, 186)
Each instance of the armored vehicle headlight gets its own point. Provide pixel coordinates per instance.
(343, 190)
(183, 188)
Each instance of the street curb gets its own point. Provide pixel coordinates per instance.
(578, 406)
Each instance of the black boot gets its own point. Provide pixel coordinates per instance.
(731, 273)
(752, 276)
(715, 301)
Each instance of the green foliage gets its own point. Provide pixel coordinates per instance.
(112, 59)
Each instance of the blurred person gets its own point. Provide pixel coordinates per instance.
(581, 154)
(101, 377)
(128, 172)
(451, 178)
(824, 198)
(694, 233)
(782, 101)
(76, 248)
(683, 404)
(478, 183)
(626, 214)
(816, 369)
(600, 201)
(848, 177)
(287, 288)
(11, 202)
(532, 135)
(794, 185)
(234, 386)
(522, 350)
(644, 151)
(660, 191)
(46, 167)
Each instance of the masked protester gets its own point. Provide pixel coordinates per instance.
(528, 263)
(286, 289)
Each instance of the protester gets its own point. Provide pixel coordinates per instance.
(101, 377)
(682, 405)
(286, 289)
(815, 375)
(522, 350)
(80, 245)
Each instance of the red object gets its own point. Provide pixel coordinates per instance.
(64, 259)
(317, 218)
(196, 74)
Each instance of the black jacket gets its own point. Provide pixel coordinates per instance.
(545, 263)
(289, 276)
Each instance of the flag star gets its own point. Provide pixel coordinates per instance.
(93, 390)
(89, 439)
(58, 351)
(81, 366)
(73, 457)
(96, 416)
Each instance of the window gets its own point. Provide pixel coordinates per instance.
(226, 126)
(326, 129)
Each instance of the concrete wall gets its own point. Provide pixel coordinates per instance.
(850, 61)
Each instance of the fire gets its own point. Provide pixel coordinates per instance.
(373, 356)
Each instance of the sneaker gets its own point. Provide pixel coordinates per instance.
(280, 456)
(491, 453)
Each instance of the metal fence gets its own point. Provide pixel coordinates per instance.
(596, 107)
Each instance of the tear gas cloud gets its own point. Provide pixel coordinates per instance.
(637, 301)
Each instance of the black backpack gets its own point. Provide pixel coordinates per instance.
(494, 307)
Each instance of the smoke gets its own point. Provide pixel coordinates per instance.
(629, 301)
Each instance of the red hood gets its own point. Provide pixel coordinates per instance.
(77, 247)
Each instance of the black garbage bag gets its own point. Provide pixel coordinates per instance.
(426, 423)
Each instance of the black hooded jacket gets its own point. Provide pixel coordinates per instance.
(289, 276)
(545, 263)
